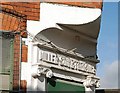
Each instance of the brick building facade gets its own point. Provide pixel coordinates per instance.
(13, 17)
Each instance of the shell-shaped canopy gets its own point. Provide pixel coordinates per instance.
(83, 37)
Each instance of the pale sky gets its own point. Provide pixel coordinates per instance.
(107, 69)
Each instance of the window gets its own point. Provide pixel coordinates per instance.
(6, 60)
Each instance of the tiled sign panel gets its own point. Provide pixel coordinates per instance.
(57, 85)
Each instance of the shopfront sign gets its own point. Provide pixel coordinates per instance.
(64, 61)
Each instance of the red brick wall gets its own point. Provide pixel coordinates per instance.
(30, 9)
(91, 4)
(16, 68)
(24, 53)
(11, 22)
(23, 86)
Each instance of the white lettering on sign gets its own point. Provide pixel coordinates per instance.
(65, 61)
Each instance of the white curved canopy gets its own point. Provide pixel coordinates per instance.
(51, 14)
(68, 27)
(83, 38)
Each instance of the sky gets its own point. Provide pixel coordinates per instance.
(107, 48)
